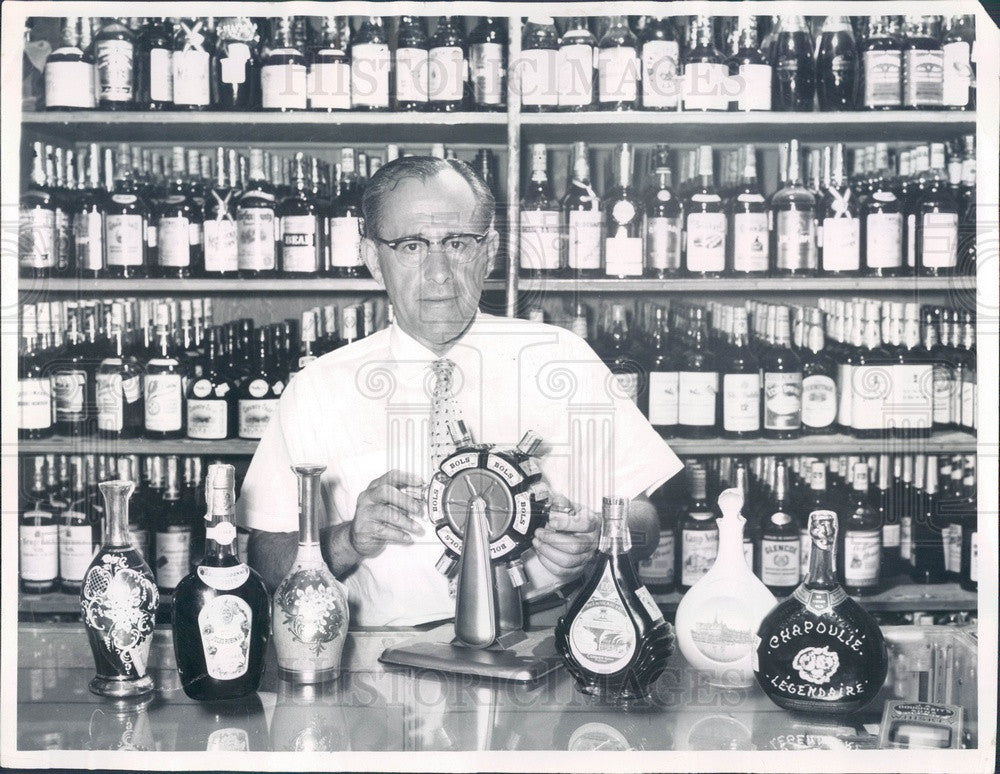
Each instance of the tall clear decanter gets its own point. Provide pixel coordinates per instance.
(718, 616)
(819, 650)
(118, 601)
(309, 613)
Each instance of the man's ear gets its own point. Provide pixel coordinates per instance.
(369, 254)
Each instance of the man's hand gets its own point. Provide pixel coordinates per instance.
(568, 541)
(385, 514)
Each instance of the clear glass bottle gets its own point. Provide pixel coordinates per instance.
(792, 212)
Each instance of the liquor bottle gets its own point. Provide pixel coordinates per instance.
(87, 216)
(128, 232)
(839, 237)
(256, 224)
(613, 604)
(618, 67)
(76, 532)
(118, 390)
(780, 541)
(923, 65)
(411, 65)
(936, 215)
(448, 66)
(257, 397)
(746, 209)
(163, 383)
(884, 504)
(662, 379)
(191, 64)
(704, 222)
(308, 348)
(38, 533)
(211, 399)
(221, 253)
(173, 532)
(928, 557)
(37, 222)
(793, 85)
(69, 69)
(114, 61)
(836, 65)
(576, 62)
(154, 78)
(781, 367)
(309, 611)
(881, 215)
(750, 68)
(370, 66)
(581, 207)
(699, 533)
(620, 356)
(819, 650)
(819, 379)
(910, 412)
(870, 380)
(623, 253)
(861, 539)
(63, 200)
(882, 67)
(741, 388)
(540, 65)
(178, 227)
(71, 379)
(298, 221)
(698, 382)
(488, 64)
(283, 82)
(538, 243)
(966, 196)
(119, 579)
(659, 54)
(964, 397)
(658, 572)
(792, 209)
(952, 501)
(663, 221)
(34, 384)
(969, 559)
(704, 72)
(347, 223)
(235, 82)
(959, 89)
(222, 613)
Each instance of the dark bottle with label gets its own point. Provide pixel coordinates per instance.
(750, 68)
(69, 65)
(256, 224)
(618, 67)
(698, 382)
(623, 242)
(191, 63)
(839, 232)
(488, 64)
(793, 85)
(614, 639)
(861, 539)
(782, 370)
(298, 221)
(34, 383)
(740, 371)
(923, 65)
(370, 66)
(664, 221)
(699, 542)
(928, 551)
(581, 209)
(71, 381)
(410, 65)
(819, 651)
(577, 66)
(881, 213)
(126, 220)
(836, 65)
(881, 67)
(447, 81)
(620, 357)
(119, 385)
(178, 226)
(819, 379)
(347, 223)
(37, 224)
(969, 572)
(222, 613)
(163, 384)
(704, 222)
(211, 399)
(173, 532)
(258, 395)
(780, 546)
(793, 208)
(935, 217)
(114, 61)
(38, 533)
(235, 82)
(154, 82)
(540, 84)
(959, 68)
(662, 382)
(88, 215)
(749, 247)
(659, 54)
(888, 517)
(658, 572)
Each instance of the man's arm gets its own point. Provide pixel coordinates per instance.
(272, 553)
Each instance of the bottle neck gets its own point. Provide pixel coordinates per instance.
(116, 496)
(220, 527)
(822, 557)
(615, 538)
(308, 528)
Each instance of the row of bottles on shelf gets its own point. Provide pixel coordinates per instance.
(876, 219)
(898, 515)
(861, 367)
(162, 369)
(611, 63)
(94, 212)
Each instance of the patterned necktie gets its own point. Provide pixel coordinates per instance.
(443, 410)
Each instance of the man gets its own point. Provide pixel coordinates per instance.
(372, 412)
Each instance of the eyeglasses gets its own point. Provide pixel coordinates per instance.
(412, 250)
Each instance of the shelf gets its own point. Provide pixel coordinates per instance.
(637, 126)
(940, 443)
(173, 286)
(260, 127)
(750, 284)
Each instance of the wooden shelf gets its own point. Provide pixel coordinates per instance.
(940, 443)
(173, 286)
(750, 284)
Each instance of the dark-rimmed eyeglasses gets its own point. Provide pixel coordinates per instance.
(412, 250)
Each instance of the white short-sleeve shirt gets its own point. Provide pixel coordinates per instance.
(364, 409)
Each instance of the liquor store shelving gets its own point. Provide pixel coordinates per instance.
(224, 286)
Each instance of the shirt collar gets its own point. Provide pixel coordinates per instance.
(403, 348)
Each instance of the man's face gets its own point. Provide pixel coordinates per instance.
(436, 298)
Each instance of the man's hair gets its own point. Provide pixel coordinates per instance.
(423, 168)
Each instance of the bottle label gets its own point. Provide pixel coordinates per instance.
(34, 404)
(663, 405)
(584, 246)
(845, 395)
(412, 74)
(741, 403)
(329, 85)
(884, 240)
(870, 386)
(780, 561)
(924, 84)
(623, 255)
(697, 392)
(36, 238)
(602, 636)
(704, 86)
(299, 244)
(890, 535)
(164, 394)
(750, 242)
(940, 240)
(448, 73)
(968, 403)
(487, 71)
(782, 400)
(883, 78)
(207, 419)
(70, 389)
(652, 609)
(957, 66)
(539, 239)
(225, 624)
(38, 548)
(256, 227)
(952, 537)
(944, 384)
(161, 75)
(819, 401)
(173, 556)
(706, 241)
(862, 557)
(254, 416)
(974, 558)
(663, 243)
(906, 538)
(125, 239)
(796, 240)
(699, 547)
(658, 569)
(753, 85)
(370, 65)
(659, 74)
(617, 74)
(221, 245)
(224, 578)
(88, 240)
(539, 71)
(76, 549)
(841, 244)
(283, 86)
(190, 74)
(114, 70)
(174, 243)
(575, 64)
(67, 84)
(233, 65)
(110, 409)
(345, 241)
(911, 399)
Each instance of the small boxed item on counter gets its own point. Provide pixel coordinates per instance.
(920, 725)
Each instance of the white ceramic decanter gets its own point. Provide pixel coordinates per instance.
(717, 620)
